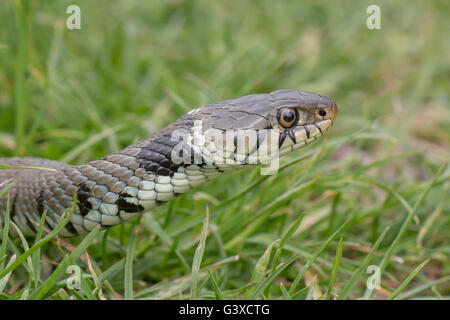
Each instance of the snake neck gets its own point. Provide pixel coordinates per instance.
(123, 185)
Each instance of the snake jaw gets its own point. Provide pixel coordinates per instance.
(304, 135)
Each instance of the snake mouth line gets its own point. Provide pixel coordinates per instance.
(304, 135)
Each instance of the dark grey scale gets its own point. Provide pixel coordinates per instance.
(126, 206)
(98, 191)
(194, 159)
(173, 167)
(98, 173)
(101, 163)
(109, 167)
(115, 164)
(164, 171)
(163, 149)
(129, 162)
(69, 226)
(152, 156)
(82, 199)
(109, 159)
(292, 135)
(58, 193)
(52, 213)
(110, 182)
(150, 166)
(40, 203)
(79, 179)
(30, 225)
(119, 172)
(52, 185)
(90, 184)
(118, 186)
(127, 174)
(51, 222)
(71, 191)
(260, 136)
(64, 182)
(131, 151)
(308, 134)
(12, 206)
(72, 173)
(166, 163)
(53, 204)
(134, 181)
(140, 172)
(104, 179)
(32, 210)
(156, 156)
(283, 137)
(88, 171)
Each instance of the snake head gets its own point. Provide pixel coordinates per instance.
(244, 128)
(300, 117)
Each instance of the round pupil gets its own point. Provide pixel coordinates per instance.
(322, 113)
(288, 116)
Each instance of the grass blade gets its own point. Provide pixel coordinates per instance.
(20, 91)
(128, 276)
(61, 223)
(198, 257)
(4, 280)
(314, 257)
(284, 292)
(5, 232)
(260, 267)
(409, 218)
(357, 274)
(59, 272)
(261, 286)
(335, 268)
(35, 257)
(5, 167)
(407, 280)
(423, 287)
(218, 293)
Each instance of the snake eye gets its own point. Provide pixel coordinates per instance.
(287, 117)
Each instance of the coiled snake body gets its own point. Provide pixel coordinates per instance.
(199, 146)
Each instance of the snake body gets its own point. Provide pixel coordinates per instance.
(199, 146)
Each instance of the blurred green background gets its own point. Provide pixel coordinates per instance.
(77, 95)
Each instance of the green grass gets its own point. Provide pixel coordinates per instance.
(375, 191)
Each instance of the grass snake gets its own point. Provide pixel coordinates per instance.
(200, 145)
